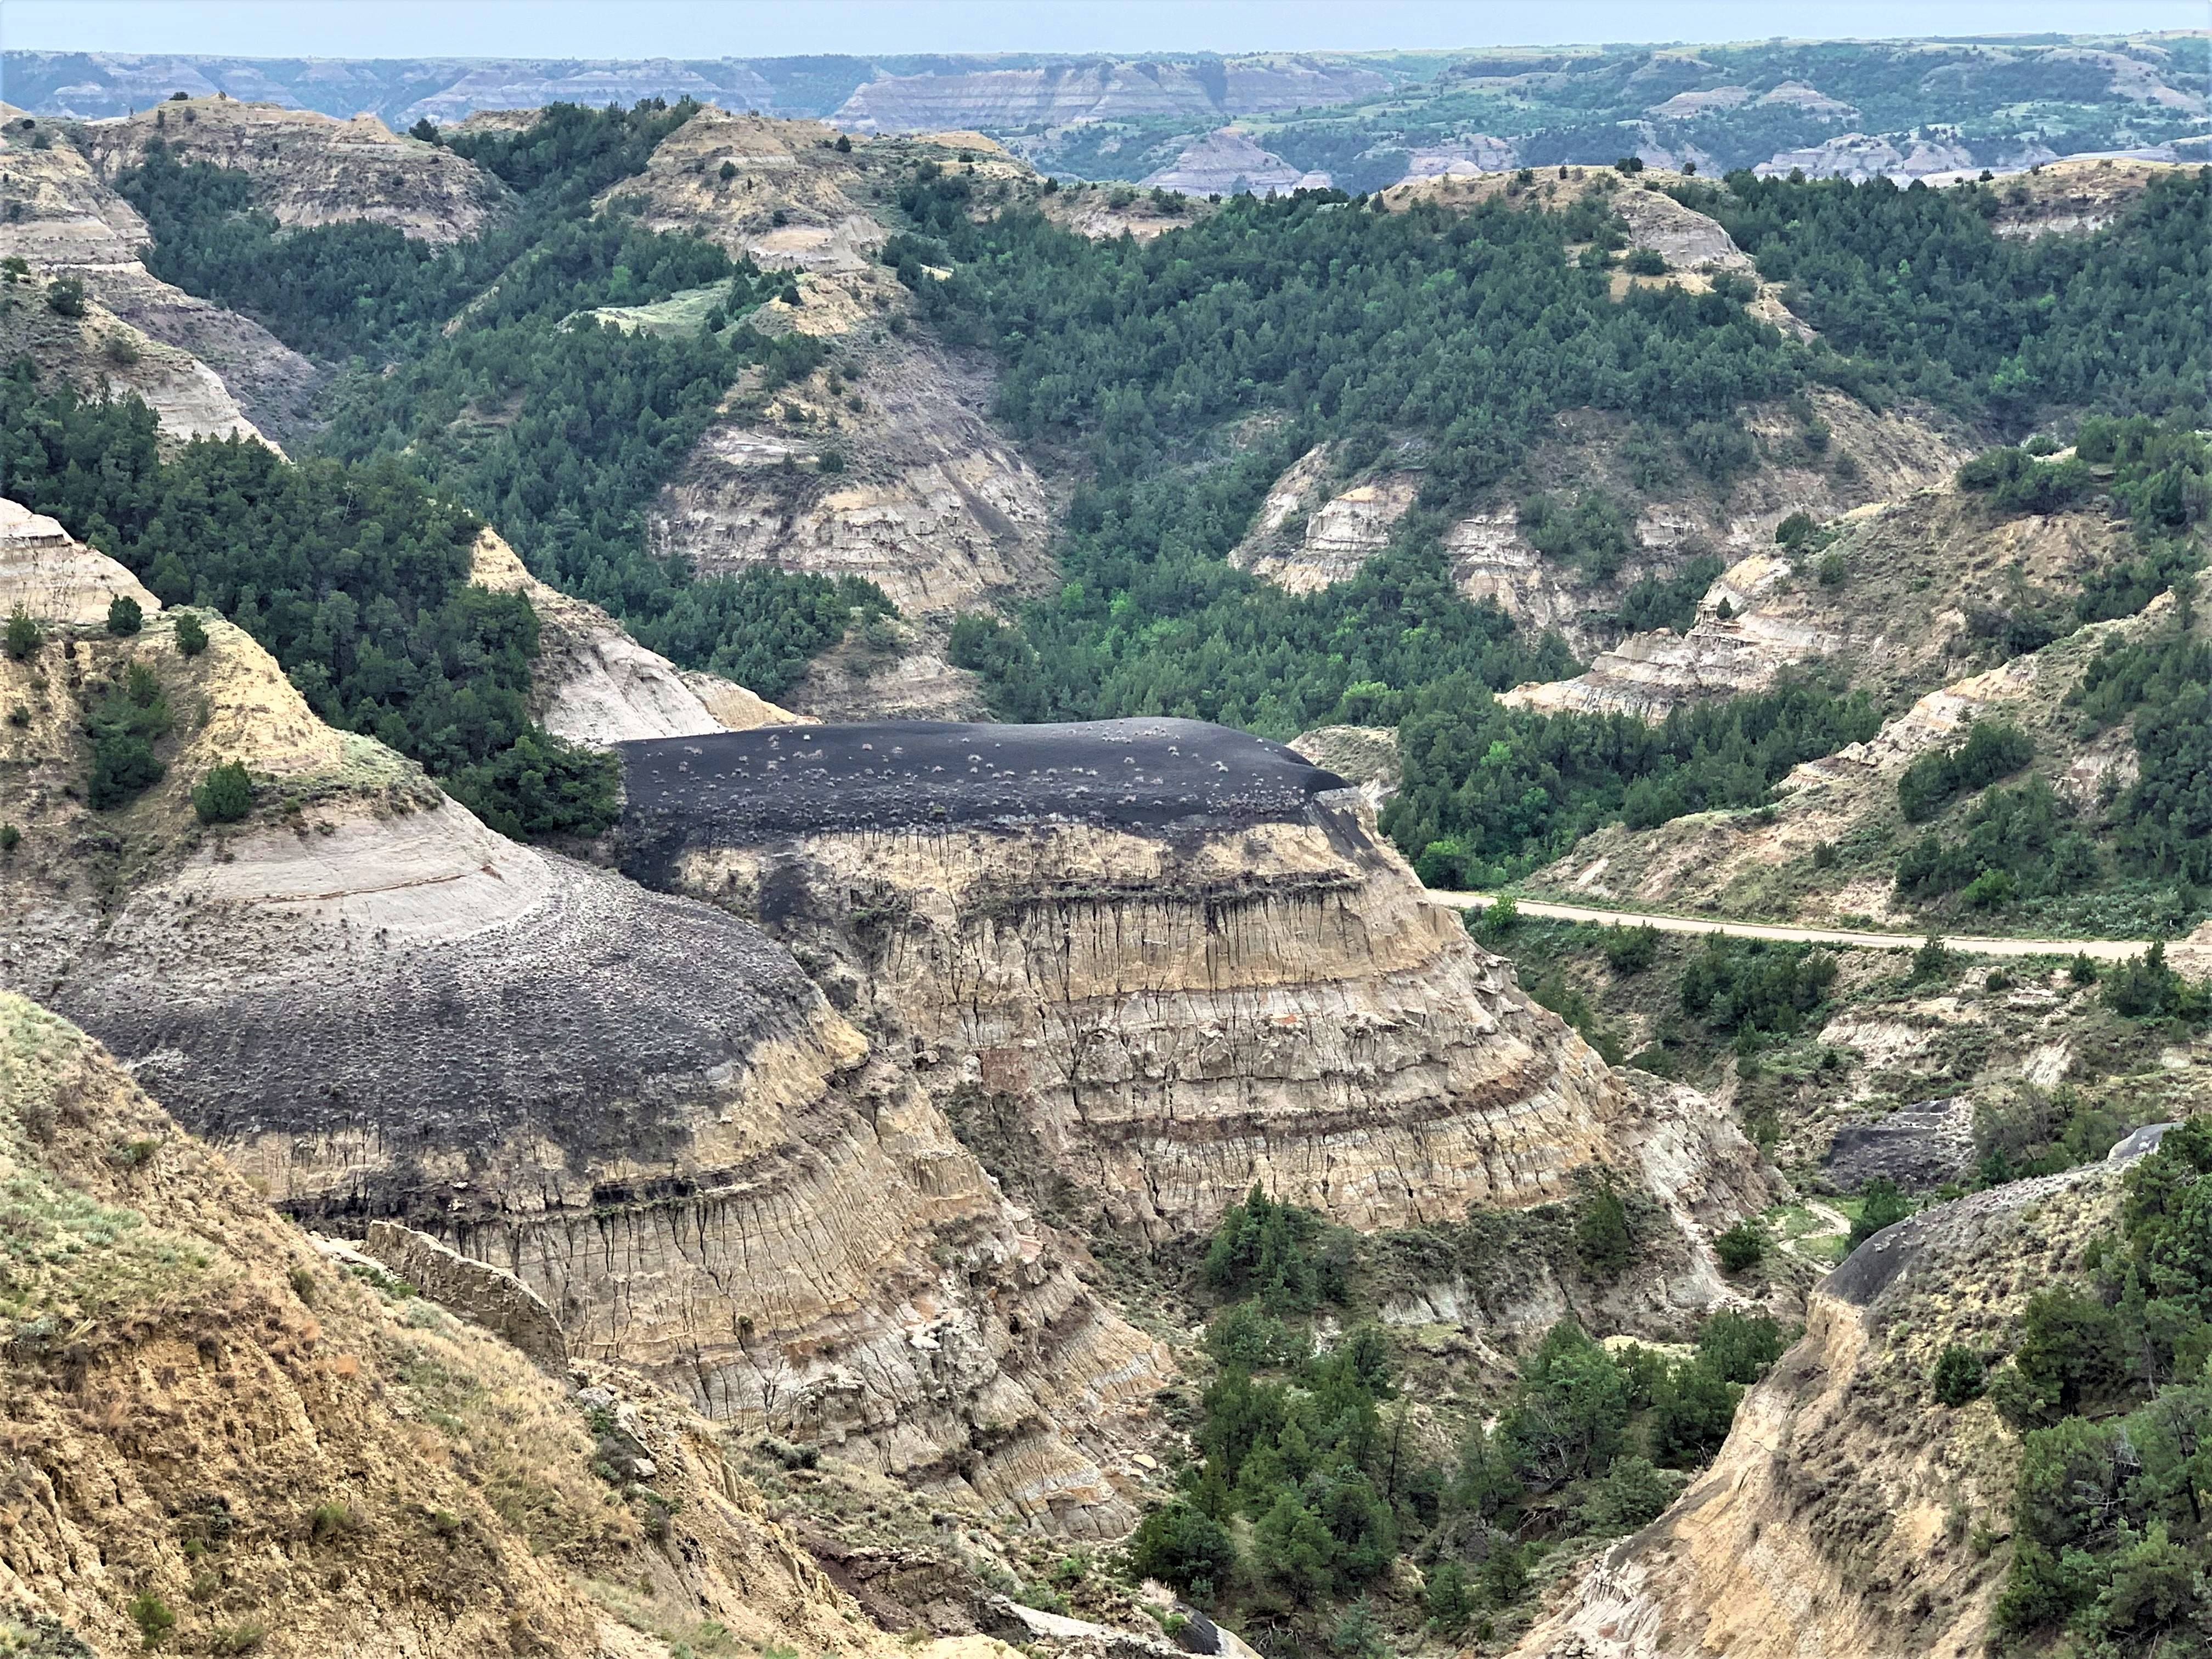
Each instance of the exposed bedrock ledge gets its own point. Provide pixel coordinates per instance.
(640, 1106)
(1138, 1016)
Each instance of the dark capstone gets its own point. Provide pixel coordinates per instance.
(740, 789)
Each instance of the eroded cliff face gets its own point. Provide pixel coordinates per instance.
(202, 370)
(1826, 1524)
(882, 463)
(1319, 525)
(310, 168)
(1057, 95)
(636, 1102)
(206, 1409)
(1726, 862)
(1140, 1007)
(592, 683)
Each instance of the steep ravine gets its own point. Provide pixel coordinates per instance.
(1836, 1518)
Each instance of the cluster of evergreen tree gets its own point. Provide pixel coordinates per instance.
(2110, 1385)
(1491, 792)
(1313, 1478)
(1917, 280)
(354, 578)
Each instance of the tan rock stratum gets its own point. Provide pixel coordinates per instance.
(210, 1418)
(54, 577)
(636, 1103)
(313, 169)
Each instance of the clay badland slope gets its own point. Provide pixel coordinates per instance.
(218, 1437)
(592, 683)
(376, 1007)
(1057, 94)
(1824, 456)
(1910, 622)
(1837, 1517)
(1147, 963)
(883, 463)
(202, 370)
(310, 169)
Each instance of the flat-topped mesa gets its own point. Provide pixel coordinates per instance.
(635, 1102)
(751, 787)
(1145, 963)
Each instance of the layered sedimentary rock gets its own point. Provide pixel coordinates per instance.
(635, 1102)
(1826, 1524)
(1731, 650)
(54, 577)
(531, 83)
(1859, 155)
(201, 1403)
(202, 370)
(1228, 162)
(883, 463)
(592, 683)
(1055, 94)
(1309, 534)
(934, 504)
(1149, 963)
(311, 169)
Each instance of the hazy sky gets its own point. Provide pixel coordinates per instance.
(748, 28)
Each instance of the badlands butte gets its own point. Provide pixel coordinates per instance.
(699, 955)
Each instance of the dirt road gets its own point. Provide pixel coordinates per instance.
(2100, 950)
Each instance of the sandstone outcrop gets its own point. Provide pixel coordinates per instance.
(312, 169)
(210, 1423)
(1823, 1526)
(592, 683)
(479, 1292)
(1308, 535)
(934, 504)
(1058, 94)
(636, 1104)
(1732, 649)
(56, 577)
(1314, 529)
(1145, 964)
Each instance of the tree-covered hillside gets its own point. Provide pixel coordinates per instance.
(1181, 376)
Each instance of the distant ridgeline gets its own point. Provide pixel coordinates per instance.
(1189, 371)
(1364, 119)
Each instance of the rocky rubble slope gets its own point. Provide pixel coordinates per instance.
(309, 169)
(636, 1102)
(1837, 1517)
(1145, 964)
(220, 1440)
